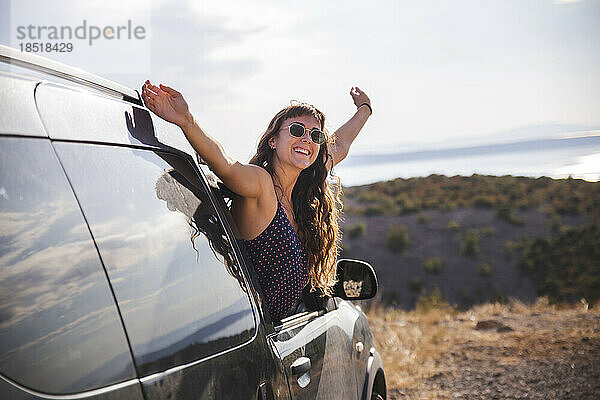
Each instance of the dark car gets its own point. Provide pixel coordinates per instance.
(120, 273)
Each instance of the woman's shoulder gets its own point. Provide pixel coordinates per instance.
(266, 183)
(262, 173)
(253, 215)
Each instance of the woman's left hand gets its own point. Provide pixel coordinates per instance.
(359, 97)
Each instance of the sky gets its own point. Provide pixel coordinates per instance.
(439, 73)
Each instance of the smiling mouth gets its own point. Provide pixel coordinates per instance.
(302, 151)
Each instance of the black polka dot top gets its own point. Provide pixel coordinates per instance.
(280, 262)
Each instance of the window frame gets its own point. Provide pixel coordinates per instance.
(223, 220)
(241, 255)
(329, 304)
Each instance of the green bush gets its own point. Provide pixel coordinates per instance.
(487, 231)
(465, 299)
(565, 267)
(406, 205)
(506, 213)
(510, 246)
(433, 265)
(484, 269)
(423, 218)
(498, 297)
(373, 210)
(554, 222)
(433, 301)
(397, 238)
(453, 226)
(415, 284)
(470, 246)
(389, 298)
(357, 230)
(483, 202)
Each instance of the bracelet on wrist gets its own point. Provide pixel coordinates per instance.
(366, 104)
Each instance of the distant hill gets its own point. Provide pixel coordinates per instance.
(478, 238)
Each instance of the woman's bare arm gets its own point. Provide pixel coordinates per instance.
(345, 135)
(244, 179)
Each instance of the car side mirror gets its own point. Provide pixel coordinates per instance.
(356, 280)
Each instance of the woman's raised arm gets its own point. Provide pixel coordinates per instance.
(244, 179)
(345, 135)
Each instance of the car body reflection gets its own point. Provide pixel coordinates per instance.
(53, 291)
(168, 281)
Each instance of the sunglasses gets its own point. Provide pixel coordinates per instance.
(316, 135)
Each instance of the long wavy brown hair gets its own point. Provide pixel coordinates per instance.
(315, 200)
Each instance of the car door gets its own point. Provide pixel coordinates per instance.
(186, 306)
(183, 297)
(61, 335)
(316, 351)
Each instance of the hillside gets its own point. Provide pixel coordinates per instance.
(477, 239)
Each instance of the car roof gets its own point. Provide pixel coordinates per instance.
(45, 65)
(54, 100)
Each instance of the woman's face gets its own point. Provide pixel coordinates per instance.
(296, 152)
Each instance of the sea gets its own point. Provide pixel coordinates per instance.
(577, 157)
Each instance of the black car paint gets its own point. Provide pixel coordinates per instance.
(258, 365)
(49, 309)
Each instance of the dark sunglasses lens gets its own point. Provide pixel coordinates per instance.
(296, 130)
(317, 136)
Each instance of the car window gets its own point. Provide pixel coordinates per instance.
(59, 327)
(168, 258)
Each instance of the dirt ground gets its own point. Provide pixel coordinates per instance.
(491, 352)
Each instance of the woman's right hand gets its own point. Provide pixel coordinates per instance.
(167, 103)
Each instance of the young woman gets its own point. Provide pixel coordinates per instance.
(285, 209)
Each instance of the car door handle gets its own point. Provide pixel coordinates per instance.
(265, 391)
(300, 366)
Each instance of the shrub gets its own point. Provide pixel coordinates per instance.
(465, 299)
(405, 205)
(433, 301)
(483, 202)
(507, 214)
(448, 206)
(498, 297)
(470, 246)
(389, 298)
(565, 267)
(453, 226)
(510, 247)
(423, 218)
(415, 284)
(397, 238)
(554, 222)
(373, 210)
(484, 269)
(357, 230)
(433, 265)
(487, 231)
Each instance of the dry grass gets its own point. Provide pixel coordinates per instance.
(421, 344)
